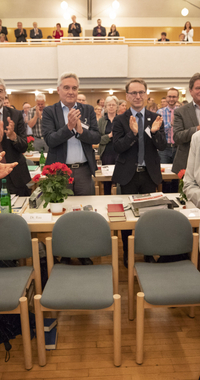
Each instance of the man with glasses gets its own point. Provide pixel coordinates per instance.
(138, 134)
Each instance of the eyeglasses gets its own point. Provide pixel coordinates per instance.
(134, 93)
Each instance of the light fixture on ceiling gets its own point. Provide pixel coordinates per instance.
(184, 12)
(9, 92)
(112, 14)
(115, 4)
(183, 92)
(50, 90)
(36, 92)
(111, 92)
(148, 92)
(64, 5)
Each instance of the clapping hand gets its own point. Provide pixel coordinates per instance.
(133, 125)
(156, 124)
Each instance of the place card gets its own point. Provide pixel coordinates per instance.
(37, 217)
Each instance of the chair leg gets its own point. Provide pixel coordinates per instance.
(26, 337)
(131, 278)
(140, 328)
(192, 311)
(40, 331)
(117, 330)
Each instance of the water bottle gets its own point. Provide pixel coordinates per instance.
(5, 198)
(42, 160)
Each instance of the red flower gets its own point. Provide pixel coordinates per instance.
(36, 178)
(29, 139)
(71, 180)
(181, 174)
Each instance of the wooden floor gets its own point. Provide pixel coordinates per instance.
(85, 347)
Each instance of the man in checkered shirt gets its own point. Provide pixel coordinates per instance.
(35, 122)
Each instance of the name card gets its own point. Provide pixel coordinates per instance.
(37, 217)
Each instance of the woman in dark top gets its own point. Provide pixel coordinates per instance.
(105, 124)
(113, 32)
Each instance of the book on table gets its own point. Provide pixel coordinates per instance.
(145, 202)
(116, 212)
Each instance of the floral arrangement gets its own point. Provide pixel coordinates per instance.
(30, 140)
(54, 184)
(181, 174)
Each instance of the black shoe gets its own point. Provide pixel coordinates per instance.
(86, 261)
(125, 257)
(65, 260)
(149, 259)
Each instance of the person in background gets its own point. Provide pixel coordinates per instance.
(184, 102)
(106, 148)
(122, 107)
(81, 98)
(35, 123)
(113, 32)
(14, 143)
(153, 107)
(20, 33)
(25, 110)
(186, 123)
(188, 32)
(3, 30)
(181, 37)
(3, 38)
(163, 102)
(163, 37)
(99, 31)
(6, 101)
(74, 29)
(191, 178)
(100, 102)
(150, 101)
(58, 33)
(98, 110)
(35, 33)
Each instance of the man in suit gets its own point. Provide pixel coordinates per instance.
(99, 31)
(192, 175)
(138, 134)
(74, 28)
(20, 33)
(186, 123)
(13, 141)
(69, 129)
(3, 30)
(35, 33)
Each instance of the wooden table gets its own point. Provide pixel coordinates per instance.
(100, 203)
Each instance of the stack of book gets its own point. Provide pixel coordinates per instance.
(141, 203)
(50, 330)
(116, 213)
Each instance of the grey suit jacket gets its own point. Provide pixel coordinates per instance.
(185, 125)
(192, 174)
(56, 133)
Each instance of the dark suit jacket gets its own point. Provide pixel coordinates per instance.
(20, 175)
(185, 125)
(103, 31)
(56, 133)
(160, 39)
(20, 37)
(4, 31)
(126, 144)
(76, 31)
(32, 34)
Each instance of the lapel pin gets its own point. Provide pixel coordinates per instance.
(149, 119)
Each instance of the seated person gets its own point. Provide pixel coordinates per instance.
(163, 37)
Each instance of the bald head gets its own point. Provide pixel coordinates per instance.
(81, 99)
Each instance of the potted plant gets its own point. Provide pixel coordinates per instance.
(30, 147)
(53, 181)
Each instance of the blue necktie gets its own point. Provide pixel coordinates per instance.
(141, 139)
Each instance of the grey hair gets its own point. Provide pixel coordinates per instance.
(65, 76)
(122, 101)
(40, 96)
(111, 97)
(2, 83)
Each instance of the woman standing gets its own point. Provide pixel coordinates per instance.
(122, 107)
(98, 111)
(106, 149)
(188, 32)
(58, 33)
(113, 32)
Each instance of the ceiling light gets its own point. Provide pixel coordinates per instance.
(148, 92)
(115, 4)
(8, 92)
(64, 5)
(111, 92)
(112, 14)
(36, 92)
(50, 90)
(184, 12)
(183, 92)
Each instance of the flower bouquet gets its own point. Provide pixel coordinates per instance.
(181, 174)
(53, 181)
(30, 140)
